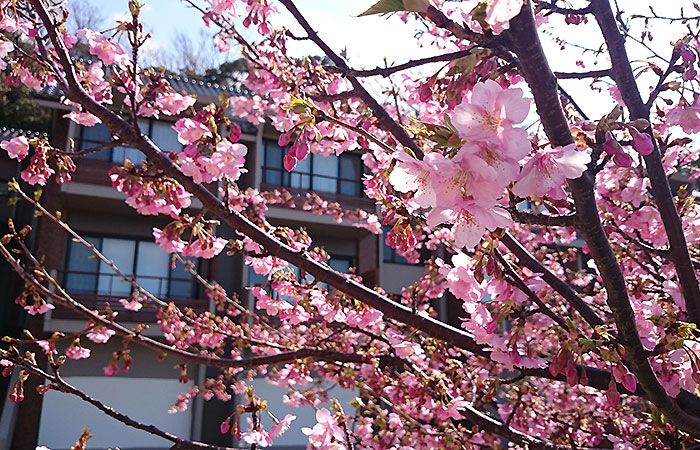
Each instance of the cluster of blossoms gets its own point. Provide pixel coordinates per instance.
(147, 194)
(463, 188)
(202, 242)
(483, 166)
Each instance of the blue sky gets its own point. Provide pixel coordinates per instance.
(368, 40)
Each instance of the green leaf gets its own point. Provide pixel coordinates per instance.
(384, 7)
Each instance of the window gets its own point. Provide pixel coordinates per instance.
(333, 174)
(146, 260)
(161, 133)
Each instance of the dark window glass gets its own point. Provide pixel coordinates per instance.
(161, 133)
(332, 174)
(146, 260)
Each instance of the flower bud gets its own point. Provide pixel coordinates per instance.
(283, 140)
(641, 142)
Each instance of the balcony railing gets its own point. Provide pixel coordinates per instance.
(94, 289)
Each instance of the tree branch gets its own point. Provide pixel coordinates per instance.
(542, 81)
(581, 75)
(386, 71)
(624, 77)
(385, 120)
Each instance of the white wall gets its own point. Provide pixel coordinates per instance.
(146, 400)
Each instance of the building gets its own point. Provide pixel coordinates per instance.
(98, 212)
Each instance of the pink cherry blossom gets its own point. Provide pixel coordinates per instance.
(77, 352)
(99, 334)
(173, 103)
(190, 131)
(132, 304)
(281, 426)
(17, 147)
(490, 111)
(546, 172)
(109, 52)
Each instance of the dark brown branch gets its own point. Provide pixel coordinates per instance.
(520, 284)
(561, 287)
(624, 77)
(581, 75)
(386, 71)
(535, 69)
(385, 121)
(660, 84)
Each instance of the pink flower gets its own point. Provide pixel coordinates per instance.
(546, 172)
(173, 103)
(452, 409)
(83, 118)
(17, 147)
(499, 13)
(77, 352)
(687, 117)
(110, 370)
(207, 249)
(404, 347)
(35, 309)
(189, 131)
(109, 52)
(99, 334)
(490, 112)
(325, 431)
(168, 244)
(281, 426)
(259, 437)
(471, 220)
(229, 159)
(223, 6)
(132, 305)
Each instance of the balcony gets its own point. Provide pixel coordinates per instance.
(94, 290)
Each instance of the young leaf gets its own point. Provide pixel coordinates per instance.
(384, 7)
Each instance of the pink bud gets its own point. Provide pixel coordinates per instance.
(687, 55)
(622, 159)
(234, 133)
(226, 425)
(289, 162)
(611, 146)
(302, 151)
(283, 140)
(643, 144)
(629, 381)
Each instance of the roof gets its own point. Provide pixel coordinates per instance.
(9, 133)
(202, 88)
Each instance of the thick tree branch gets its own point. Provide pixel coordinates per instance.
(535, 69)
(624, 77)
(561, 287)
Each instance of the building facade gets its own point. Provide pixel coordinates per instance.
(98, 212)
